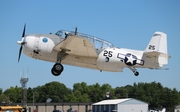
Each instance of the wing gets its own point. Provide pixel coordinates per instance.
(74, 45)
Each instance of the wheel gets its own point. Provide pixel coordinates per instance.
(57, 69)
(136, 73)
(54, 72)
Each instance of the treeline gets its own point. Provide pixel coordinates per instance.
(153, 93)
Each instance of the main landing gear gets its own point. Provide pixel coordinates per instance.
(58, 67)
(136, 73)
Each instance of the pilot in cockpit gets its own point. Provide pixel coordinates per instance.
(66, 34)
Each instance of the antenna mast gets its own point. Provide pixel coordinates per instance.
(23, 82)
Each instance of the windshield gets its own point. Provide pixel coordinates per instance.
(59, 33)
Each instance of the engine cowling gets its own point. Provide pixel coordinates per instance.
(38, 46)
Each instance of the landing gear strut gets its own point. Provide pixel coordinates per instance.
(58, 68)
(136, 73)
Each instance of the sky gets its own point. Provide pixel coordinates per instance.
(125, 23)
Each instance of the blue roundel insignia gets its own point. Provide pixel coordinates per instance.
(130, 59)
(45, 40)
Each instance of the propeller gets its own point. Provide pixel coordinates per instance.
(22, 42)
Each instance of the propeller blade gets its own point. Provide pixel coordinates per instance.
(24, 30)
(20, 50)
(22, 42)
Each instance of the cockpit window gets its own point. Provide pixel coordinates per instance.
(97, 42)
(59, 33)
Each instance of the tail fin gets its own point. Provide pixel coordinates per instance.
(163, 110)
(157, 47)
(158, 43)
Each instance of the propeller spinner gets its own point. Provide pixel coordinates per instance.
(22, 42)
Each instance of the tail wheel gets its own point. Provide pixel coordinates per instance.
(136, 73)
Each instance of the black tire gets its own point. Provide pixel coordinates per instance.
(136, 73)
(57, 69)
(54, 72)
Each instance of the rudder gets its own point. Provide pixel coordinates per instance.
(157, 48)
(158, 43)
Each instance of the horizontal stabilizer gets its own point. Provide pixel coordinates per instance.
(157, 54)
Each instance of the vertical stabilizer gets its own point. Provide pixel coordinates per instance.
(158, 43)
(163, 110)
(157, 49)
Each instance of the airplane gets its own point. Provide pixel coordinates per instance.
(163, 110)
(82, 50)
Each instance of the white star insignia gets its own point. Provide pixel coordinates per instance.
(130, 59)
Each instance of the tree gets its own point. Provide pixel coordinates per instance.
(106, 88)
(14, 94)
(82, 87)
(4, 99)
(1, 91)
(80, 91)
(153, 93)
(70, 98)
(30, 94)
(54, 90)
(96, 93)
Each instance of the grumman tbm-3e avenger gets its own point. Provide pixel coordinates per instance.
(77, 49)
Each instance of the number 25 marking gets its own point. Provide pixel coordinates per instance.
(107, 53)
(151, 47)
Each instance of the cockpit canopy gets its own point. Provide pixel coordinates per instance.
(97, 42)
